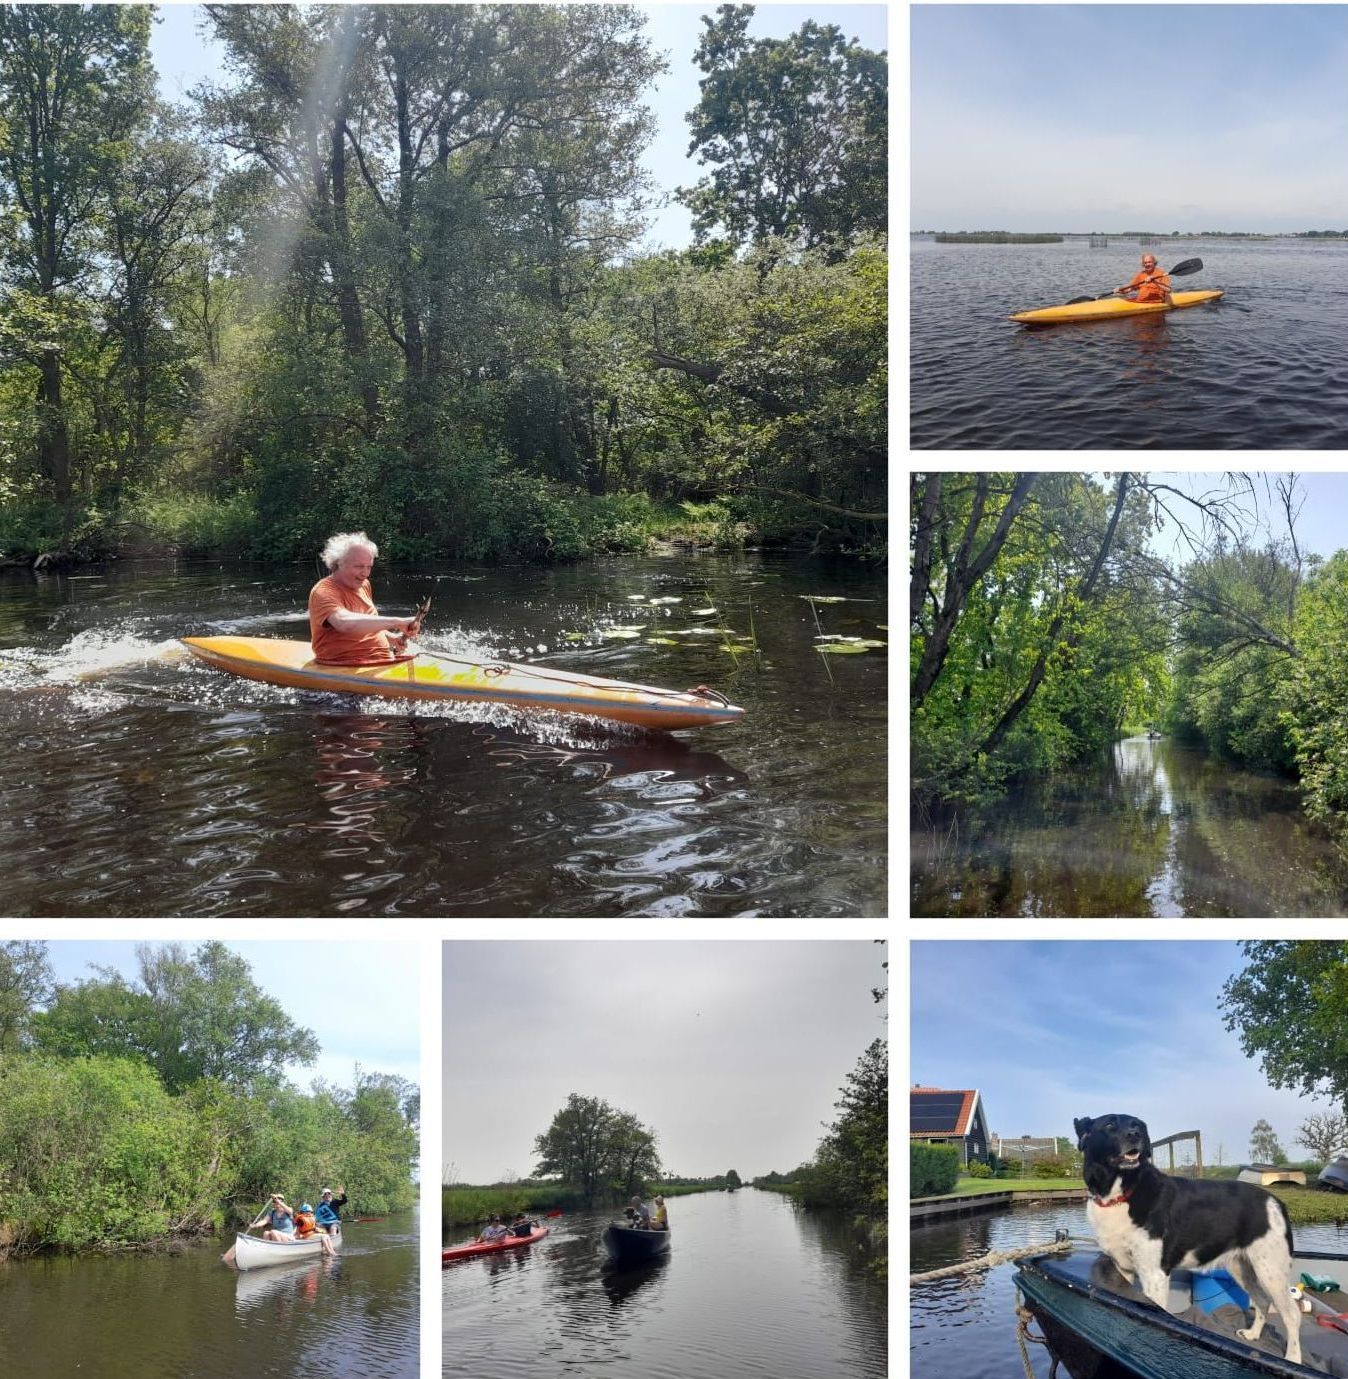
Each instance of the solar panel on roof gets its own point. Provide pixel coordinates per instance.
(936, 1111)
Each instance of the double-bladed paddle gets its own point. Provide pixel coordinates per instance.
(1180, 270)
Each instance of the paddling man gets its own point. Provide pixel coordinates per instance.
(1151, 285)
(495, 1231)
(345, 628)
(329, 1213)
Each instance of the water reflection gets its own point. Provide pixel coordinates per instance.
(1153, 829)
(624, 1286)
(284, 1288)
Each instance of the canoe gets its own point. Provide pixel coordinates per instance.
(1096, 1324)
(252, 1252)
(439, 678)
(628, 1245)
(1110, 309)
(482, 1247)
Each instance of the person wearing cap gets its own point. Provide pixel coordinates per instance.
(1150, 285)
(496, 1230)
(660, 1221)
(329, 1213)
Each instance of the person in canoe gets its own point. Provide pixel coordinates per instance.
(345, 627)
(329, 1213)
(278, 1218)
(521, 1225)
(660, 1221)
(1150, 285)
(496, 1230)
(306, 1225)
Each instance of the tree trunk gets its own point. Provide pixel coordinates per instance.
(53, 433)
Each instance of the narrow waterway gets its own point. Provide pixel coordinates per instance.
(186, 1315)
(752, 1286)
(1151, 829)
(965, 1327)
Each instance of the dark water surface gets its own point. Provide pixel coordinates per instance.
(1153, 829)
(1264, 368)
(188, 1316)
(965, 1326)
(136, 782)
(751, 1286)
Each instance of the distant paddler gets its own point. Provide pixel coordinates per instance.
(345, 627)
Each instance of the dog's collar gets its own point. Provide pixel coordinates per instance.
(1112, 1201)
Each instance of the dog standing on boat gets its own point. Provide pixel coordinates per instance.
(1149, 1223)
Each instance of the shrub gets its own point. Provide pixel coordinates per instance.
(977, 1170)
(935, 1168)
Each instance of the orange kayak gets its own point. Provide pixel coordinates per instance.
(436, 677)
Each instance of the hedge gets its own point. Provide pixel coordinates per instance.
(934, 1168)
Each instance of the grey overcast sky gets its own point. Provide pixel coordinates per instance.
(362, 1000)
(734, 1053)
(183, 57)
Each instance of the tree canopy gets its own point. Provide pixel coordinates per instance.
(597, 1149)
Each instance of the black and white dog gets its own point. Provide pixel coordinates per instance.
(1149, 1223)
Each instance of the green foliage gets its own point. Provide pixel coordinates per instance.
(1290, 1008)
(851, 1165)
(978, 1170)
(934, 1169)
(25, 984)
(597, 1149)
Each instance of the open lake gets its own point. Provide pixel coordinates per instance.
(136, 782)
(1150, 829)
(1264, 368)
(188, 1316)
(751, 1286)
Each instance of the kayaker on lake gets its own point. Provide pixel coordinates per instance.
(345, 628)
(329, 1213)
(1150, 285)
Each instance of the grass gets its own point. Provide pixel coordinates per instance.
(976, 1187)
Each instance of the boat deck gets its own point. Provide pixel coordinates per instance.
(1084, 1291)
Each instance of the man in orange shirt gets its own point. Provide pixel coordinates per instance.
(1151, 285)
(345, 628)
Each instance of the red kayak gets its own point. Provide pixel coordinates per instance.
(482, 1247)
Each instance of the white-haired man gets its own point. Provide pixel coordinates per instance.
(345, 628)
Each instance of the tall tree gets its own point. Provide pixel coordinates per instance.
(596, 1148)
(25, 985)
(75, 82)
(795, 132)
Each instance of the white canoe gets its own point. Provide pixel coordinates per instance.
(252, 1252)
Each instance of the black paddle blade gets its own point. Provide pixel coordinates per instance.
(1075, 300)
(1182, 270)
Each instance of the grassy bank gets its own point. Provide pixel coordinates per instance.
(472, 1206)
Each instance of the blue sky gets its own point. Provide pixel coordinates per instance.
(1321, 523)
(1051, 1031)
(182, 59)
(1163, 117)
(360, 999)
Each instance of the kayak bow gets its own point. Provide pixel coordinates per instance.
(436, 677)
(1110, 308)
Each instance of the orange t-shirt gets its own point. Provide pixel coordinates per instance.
(1151, 287)
(344, 648)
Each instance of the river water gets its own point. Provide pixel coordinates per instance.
(965, 1326)
(1264, 368)
(188, 1316)
(751, 1286)
(1150, 829)
(134, 781)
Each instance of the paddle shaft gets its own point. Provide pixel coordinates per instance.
(1180, 270)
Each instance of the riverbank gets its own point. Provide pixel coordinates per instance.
(470, 1206)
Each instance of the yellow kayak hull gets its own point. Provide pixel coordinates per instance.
(1111, 308)
(436, 677)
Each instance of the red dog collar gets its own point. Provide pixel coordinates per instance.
(1113, 1201)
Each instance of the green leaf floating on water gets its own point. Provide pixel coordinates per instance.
(661, 641)
(574, 636)
(704, 612)
(623, 634)
(822, 598)
(849, 648)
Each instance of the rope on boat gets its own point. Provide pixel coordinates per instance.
(991, 1260)
(1024, 1336)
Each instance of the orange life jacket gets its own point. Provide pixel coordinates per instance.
(304, 1224)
